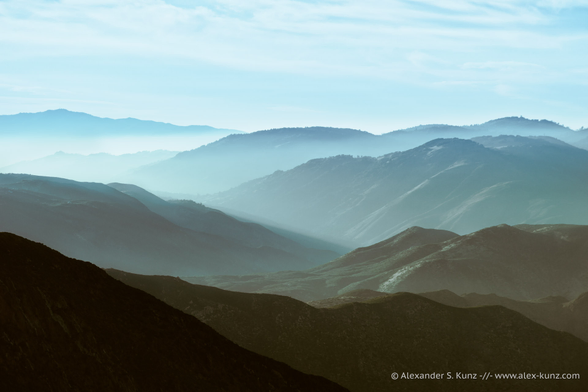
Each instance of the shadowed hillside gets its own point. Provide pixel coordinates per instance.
(359, 345)
(98, 223)
(556, 313)
(67, 326)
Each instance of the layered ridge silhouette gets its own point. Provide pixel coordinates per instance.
(98, 223)
(359, 345)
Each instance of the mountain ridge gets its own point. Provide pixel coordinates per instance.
(358, 345)
(523, 264)
(98, 223)
(65, 122)
(451, 184)
(68, 326)
(245, 157)
(557, 313)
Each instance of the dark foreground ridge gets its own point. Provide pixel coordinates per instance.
(65, 325)
(360, 345)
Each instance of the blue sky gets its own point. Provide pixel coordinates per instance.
(258, 64)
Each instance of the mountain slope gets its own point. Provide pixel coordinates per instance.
(536, 262)
(450, 184)
(98, 223)
(194, 216)
(68, 326)
(556, 313)
(360, 345)
(235, 159)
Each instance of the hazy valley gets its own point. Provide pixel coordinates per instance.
(329, 252)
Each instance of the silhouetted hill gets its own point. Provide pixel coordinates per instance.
(557, 313)
(67, 326)
(450, 184)
(515, 126)
(359, 345)
(523, 264)
(525, 127)
(98, 223)
(63, 122)
(235, 159)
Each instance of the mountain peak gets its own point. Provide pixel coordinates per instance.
(522, 122)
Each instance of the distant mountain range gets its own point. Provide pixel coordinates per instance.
(525, 262)
(516, 126)
(233, 160)
(31, 136)
(230, 159)
(67, 326)
(360, 345)
(101, 224)
(61, 122)
(452, 184)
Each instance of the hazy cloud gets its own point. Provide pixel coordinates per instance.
(276, 35)
(422, 43)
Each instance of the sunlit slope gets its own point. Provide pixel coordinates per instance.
(451, 184)
(528, 263)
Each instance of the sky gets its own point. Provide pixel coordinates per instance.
(249, 65)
